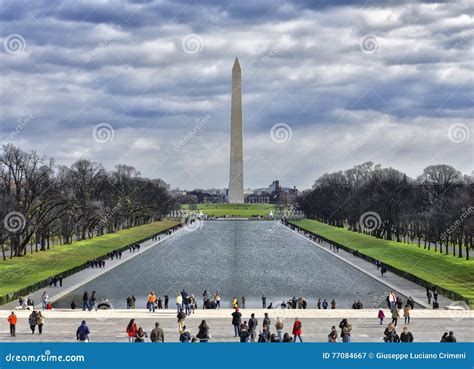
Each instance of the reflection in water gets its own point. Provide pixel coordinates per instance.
(239, 258)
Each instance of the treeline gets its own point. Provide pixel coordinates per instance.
(435, 210)
(41, 202)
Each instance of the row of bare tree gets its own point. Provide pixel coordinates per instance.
(41, 202)
(435, 210)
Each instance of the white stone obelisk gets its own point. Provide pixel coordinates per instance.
(236, 180)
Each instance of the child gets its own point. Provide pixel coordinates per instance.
(381, 315)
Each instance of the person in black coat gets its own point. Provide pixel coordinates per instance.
(406, 336)
(236, 321)
(203, 333)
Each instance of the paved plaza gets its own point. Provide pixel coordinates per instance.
(109, 325)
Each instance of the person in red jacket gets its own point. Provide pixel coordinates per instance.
(131, 330)
(297, 330)
(12, 320)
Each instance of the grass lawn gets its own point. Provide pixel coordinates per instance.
(18, 273)
(452, 273)
(239, 210)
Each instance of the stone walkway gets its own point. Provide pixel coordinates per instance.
(393, 281)
(109, 325)
(80, 278)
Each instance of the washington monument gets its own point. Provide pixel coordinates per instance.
(236, 179)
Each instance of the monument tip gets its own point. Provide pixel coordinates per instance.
(236, 64)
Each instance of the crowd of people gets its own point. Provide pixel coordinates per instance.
(54, 280)
(94, 263)
(244, 330)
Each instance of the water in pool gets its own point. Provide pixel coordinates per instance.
(239, 258)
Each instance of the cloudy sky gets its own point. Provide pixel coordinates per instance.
(327, 85)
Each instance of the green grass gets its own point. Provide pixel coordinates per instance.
(18, 273)
(452, 273)
(240, 210)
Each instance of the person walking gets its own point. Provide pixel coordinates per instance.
(131, 330)
(93, 301)
(243, 302)
(85, 301)
(406, 314)
(12, 319)
(33, 321)
(381, 316)
(395, 315)
(44, 300)
(203, 333)
(60, 280)
(253, 324)
(325, 304)
(264, 302)
(82, 333)
(40, 321)
(333, 304)
(157, 334)
(235, 303)
(217, 298)
(266, 321)
(151, 301)
(236, 321)
(428, 295)
(406, 336)
(167, 299)
(179, 302)
(181, 316)
(297, 330)
(279, 328)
